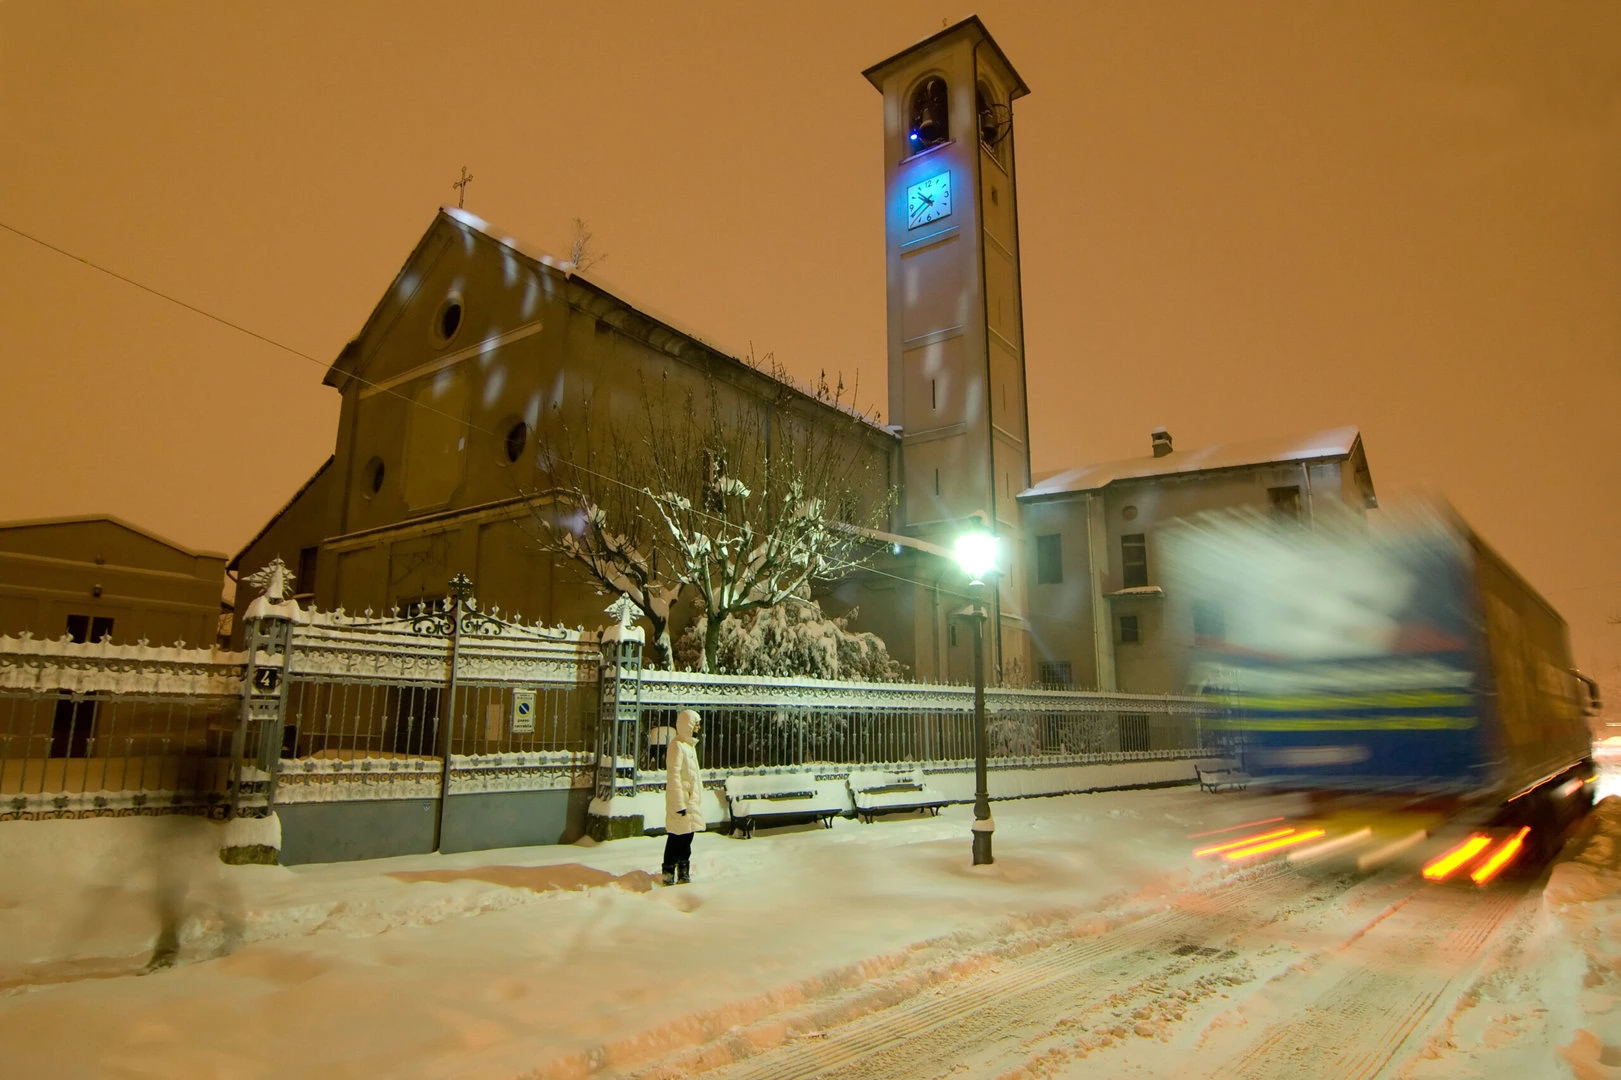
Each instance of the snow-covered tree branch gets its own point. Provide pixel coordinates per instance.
(780, 496)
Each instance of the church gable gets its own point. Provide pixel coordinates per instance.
(461, 293)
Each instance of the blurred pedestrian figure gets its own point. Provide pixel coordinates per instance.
(683, 788)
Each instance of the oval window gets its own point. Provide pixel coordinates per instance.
(517, 439)
(449, 319)
(374, 476)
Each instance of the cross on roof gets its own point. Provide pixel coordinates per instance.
(461, 186)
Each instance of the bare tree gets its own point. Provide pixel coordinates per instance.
(591, 511)
(763, 501)
(581, 255)
(739, 500)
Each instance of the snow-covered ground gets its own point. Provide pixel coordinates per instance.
(1096, 925)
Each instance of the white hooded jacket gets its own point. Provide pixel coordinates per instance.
(683, 787)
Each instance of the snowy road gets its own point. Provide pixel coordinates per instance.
(1276, 975)
(1097, 944)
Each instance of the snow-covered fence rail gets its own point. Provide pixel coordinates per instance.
(758, 722)
(93, 728)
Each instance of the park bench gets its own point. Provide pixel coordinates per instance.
(785, 796)
(1215, 777)
(877, 792)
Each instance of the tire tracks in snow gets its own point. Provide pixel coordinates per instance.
(925, 1035)
(1382, 987)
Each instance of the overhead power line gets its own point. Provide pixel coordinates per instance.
(412, 402)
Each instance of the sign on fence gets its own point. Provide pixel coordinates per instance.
(523, 712)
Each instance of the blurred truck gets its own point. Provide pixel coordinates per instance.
(1404, 661)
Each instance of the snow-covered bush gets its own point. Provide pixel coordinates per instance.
(791, 639)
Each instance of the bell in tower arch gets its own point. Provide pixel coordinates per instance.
(929, 125)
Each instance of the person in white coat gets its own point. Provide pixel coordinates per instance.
(683, 793)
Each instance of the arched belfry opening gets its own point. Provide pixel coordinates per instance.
(928, 124)
(994, 117)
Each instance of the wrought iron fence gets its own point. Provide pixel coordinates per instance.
(451, 699)
(94, 727)
(758, 723)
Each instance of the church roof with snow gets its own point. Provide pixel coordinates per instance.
(1333, 444)
(344, 366)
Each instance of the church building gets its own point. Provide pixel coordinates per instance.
(480, 337)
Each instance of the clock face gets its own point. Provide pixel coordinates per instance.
(928, 200)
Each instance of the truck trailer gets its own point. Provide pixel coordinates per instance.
(1402, 661)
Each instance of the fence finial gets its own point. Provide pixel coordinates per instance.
(273, 580)
(461, 587)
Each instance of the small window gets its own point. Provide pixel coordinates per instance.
(1134, 559)
(517, 439)
(1208, 621)
(86, 629)
(929, 123)
(448, 320)
(1055, 673)
(1049, 560)
(304, 580)
(1128, 630)
(374, 476)
(1285, 502)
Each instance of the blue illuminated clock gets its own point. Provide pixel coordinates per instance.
(928, 200)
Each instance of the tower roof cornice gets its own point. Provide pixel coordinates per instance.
(971, 26)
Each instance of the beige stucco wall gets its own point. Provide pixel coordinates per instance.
(1062, 615)
(149, 587)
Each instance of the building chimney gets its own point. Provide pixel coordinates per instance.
(1162, 442)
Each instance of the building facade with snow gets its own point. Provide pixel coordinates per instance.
(1099, 612)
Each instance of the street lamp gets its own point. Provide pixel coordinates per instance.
(976, 553)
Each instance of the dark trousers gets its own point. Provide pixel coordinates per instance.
(677, 849)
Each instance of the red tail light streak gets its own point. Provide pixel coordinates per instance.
(1442, 868)
(1274, 845)
(1247, 841)
(1501, 857)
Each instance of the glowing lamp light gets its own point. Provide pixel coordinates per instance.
(976, 553)
(913, 136)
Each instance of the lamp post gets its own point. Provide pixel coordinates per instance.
(976, 553)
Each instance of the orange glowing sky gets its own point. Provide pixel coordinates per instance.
(1238, 220)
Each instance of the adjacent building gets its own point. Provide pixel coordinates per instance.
(97, 577)
(1100, 614)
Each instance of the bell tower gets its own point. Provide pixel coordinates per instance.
(956, 327)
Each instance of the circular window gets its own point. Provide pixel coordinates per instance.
(374, 476)
(449, 319)
(1129, 513)
(517, 439)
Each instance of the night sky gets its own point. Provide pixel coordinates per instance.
(1237, 220)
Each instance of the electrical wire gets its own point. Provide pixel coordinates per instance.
(465, 423)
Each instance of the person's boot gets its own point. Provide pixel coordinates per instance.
(682, 877)
(669, 875)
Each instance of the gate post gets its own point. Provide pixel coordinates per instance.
(619, 712)
(267, 634)
(461, 592)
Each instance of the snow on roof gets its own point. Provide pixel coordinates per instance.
(1333, 443)
(617, 295)
(80, 519)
